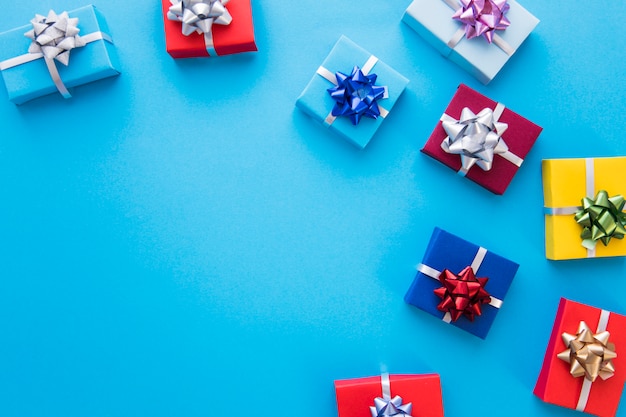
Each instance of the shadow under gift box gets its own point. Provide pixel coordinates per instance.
(432, 20)
(555, 383)
(447, 251)
(520, 137)
(317, 103)
(355, 396)
(237, 37)
(92, 62)
(564, 185)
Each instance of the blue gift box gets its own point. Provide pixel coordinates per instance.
(432, 20)
(94, 61)
(447, 251)
(316, 102)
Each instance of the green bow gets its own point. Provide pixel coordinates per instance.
(602, 218)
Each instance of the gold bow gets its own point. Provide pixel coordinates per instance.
(589, 354)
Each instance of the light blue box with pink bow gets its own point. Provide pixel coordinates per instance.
(35, 65)
(318, 103)
(433, 21)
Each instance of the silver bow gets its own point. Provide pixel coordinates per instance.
(476, 137)
(384, 407)
(199, 15)
(54, 36)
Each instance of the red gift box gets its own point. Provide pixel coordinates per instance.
(557, 386)
(356, 396)
(234, 38)
(519, 137)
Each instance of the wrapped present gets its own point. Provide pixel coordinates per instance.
(584, 203)
(479, 36)
(481, 139)
(390, 395)
(583, 369)
(55, 53)
(203, 28)
(461, 283)
(352, 92)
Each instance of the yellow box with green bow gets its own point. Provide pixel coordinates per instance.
(584, 207)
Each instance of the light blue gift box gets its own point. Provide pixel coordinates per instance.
(94, 61)
(316, 102)
(432, 20)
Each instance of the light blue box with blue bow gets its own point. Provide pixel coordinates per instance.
(317, 102)
(432, 20)
(30, 75)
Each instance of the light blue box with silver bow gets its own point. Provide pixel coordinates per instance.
(28, 75)
(317, 102)
(432, 20)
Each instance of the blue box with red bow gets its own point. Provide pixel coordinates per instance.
(56, 52)
(461, 283)
(352, 92)
(478, 36)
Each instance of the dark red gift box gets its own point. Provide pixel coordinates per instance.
(234, 38)
(519, 137)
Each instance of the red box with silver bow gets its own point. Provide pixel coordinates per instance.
(585, 364)
(208, 27)
(391, 394)
(482, 139)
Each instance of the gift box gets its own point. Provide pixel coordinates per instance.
(316, 101)
(479, 305)
(566, 182)
(571, 342)
(362, 397)
(222, 37)
(432, 20)
(492, 159)
(29, 75)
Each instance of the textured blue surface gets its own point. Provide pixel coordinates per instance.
(182, 241)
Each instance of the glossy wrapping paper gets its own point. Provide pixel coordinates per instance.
(520, 137)
(555, 383)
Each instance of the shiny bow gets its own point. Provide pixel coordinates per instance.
(384, 407)
(602, 219)
(199, 15)
(483, 17)
(476, 137)
(54, 36)
(589, 354)
(356, 95)
(462, 294)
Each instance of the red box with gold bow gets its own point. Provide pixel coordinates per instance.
(391, 394)
(585, 363)
(482, 139)
(210, 32)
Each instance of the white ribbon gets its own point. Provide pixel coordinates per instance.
(330, 76)
(387, 406)
(476, 263)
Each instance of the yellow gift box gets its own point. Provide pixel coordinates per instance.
(565, 183)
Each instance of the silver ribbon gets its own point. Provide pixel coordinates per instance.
(365, 69)
(477, 138)
(476, 263)
(386, 406)
(53, 38)
(199, 16)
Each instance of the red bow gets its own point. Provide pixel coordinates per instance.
(462, 294)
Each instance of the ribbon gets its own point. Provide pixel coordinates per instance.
(479, 296)
(481, 18)
(53, 38)
(477, 138)
(462, 294)
(199, 16)
(386, 406)
(590, 355)
(355, 95)
(606, 218)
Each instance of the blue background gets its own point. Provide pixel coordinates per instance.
(182, 241)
